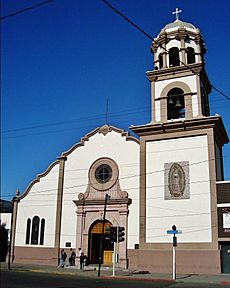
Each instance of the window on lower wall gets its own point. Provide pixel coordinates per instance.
(35, 232)
(42, 231)
(28, 231)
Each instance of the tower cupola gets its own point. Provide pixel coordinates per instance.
(179, 83)
(178, 43)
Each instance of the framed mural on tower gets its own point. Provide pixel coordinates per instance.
(176, 180)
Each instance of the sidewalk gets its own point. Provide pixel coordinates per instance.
(106, 272)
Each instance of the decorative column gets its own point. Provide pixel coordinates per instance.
(183, 49)
(123, 245)
(59, 203)
(15, 202)
(164, 56)
(80, 226)
(198, 53)
(154, 51)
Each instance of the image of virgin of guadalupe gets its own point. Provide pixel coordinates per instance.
(176, 180)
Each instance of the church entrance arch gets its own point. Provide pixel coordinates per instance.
(95, 232)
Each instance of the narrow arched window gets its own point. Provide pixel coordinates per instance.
(190, 55)
(35, 230)
(28, 231)
(175, 104)
(42, 231)
(160, 61)
(174, 58)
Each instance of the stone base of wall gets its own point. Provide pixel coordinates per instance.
(36, 255)
(187, 261)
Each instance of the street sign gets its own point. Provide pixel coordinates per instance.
(174, 232)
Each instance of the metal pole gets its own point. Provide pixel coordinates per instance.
(114, 257)
(11, 226)
(174, 262)
(102, 237)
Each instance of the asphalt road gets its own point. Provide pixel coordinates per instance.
(28, 279)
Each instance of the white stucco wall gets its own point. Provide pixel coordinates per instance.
(40, 201)
(192, 216)
(126, 155)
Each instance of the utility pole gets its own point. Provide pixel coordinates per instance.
(102, 238)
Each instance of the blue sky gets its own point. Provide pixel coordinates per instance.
(62, 61)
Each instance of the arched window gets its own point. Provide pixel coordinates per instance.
(190, 55)
(160, 61)
(28, 231)
(35, 230)
(42, 231)
(174, 58)
(175, 104)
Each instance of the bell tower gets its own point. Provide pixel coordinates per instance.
(179, 83)
(180, 156)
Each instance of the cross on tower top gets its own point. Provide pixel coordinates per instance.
(177, 12)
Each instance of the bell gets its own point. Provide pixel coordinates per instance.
(171, 101)
(178, 104)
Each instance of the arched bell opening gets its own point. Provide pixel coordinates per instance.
(174, 58)
(160, 61)
(175, 104)
(95, 233)
(190, 55)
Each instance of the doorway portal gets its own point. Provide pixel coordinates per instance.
(95, 232)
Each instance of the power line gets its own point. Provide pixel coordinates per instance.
(128, 20)
(26, 9)
(83, 119)
(141, 111)
(120, 178)
(226, 96)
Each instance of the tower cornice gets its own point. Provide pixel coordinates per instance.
(172, 127)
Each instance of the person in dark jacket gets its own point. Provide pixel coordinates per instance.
(72, 257)
(82, 259)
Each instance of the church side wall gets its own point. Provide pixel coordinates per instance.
(40, 201)
(191, 214)
(126, 155)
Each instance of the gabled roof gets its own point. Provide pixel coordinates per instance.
(105, 129)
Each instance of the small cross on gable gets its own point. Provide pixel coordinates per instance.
(177, 12)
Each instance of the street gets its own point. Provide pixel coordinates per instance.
(28, 279)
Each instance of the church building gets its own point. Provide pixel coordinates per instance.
(169, 173)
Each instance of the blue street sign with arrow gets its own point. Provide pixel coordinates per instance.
(174, 232)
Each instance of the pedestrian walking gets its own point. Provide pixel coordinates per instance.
(62, 258)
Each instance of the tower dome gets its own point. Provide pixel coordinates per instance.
(178, 43)
(179, 24)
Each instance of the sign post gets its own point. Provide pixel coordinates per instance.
(114, 257)
(174, 231)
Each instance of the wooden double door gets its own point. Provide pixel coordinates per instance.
(95, 234)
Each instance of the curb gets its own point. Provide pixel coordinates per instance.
(138, 279)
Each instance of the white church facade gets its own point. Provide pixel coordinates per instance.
(169, 174)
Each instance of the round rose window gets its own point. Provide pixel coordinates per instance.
(103, 173)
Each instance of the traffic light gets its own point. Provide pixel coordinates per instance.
(107, 233)
(111, 234)
(121, 233)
